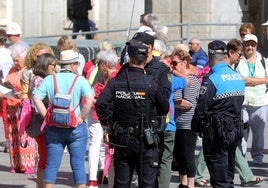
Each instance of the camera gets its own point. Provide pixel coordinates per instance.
(149, 136)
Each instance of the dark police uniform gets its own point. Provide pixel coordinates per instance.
(160, 72)
(154, 67)
(129, 104)
(219, 110)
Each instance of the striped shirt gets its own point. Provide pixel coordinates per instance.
(183, 117)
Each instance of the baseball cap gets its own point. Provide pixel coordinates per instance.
(215, 46)
(249, 37)
(144, 38)
(146, 29)
(137, 49)
(265, 23)
(13, 28)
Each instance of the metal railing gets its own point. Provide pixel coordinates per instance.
(186, 37)
(178, 33)
(182, 27)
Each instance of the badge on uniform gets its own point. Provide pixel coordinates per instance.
(169, 77)
(203, 90)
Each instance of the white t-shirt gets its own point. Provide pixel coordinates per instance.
(6, 62)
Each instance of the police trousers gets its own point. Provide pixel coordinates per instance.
(126, 159)
(219, 155)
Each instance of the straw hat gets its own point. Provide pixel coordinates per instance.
(68, 57)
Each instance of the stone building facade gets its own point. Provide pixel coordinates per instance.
(206, 19)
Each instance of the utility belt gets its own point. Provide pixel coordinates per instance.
(129, 128)
(133, 130)
(210, 125)
(229, 123)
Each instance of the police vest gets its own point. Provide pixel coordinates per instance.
(126, 110)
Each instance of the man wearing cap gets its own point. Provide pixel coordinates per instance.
(128, 108)
(160, 72)
(253, 69)
(14, 34)
(265, 30)
(264, 45)
(153, 66)
(58, 138)
(218, 116)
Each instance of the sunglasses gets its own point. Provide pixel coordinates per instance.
(239, 54)
(175, 63)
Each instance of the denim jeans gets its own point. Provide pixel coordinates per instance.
(92, 25)
(76, 142)
(84, 26)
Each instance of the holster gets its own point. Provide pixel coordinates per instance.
(231, 123)
(228, 123)
(207, 129)
(162, 123)
(240, 127)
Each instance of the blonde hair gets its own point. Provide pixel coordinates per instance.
(66, 43)
(32, 54)
(182, 55)
(106, 45)
(182, 47)
(247, 26)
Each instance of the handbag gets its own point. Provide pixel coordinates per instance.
(34, 127)
(25, 115)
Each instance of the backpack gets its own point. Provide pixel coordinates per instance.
(60, 113)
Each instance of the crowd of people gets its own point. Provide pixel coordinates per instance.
(139, 112)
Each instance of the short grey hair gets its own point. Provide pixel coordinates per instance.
(161, 33)
(19, 50)
(213, 59)
(159, 46)
(108, 56)
(169, 50)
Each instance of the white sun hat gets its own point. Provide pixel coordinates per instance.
(13, 28)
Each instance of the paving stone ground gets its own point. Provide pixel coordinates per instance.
(65, 179)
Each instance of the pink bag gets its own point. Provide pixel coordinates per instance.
(26, 114)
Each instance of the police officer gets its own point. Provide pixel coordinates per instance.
(160, 71)
(154, 67)
(219, 110)
(128, 107)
